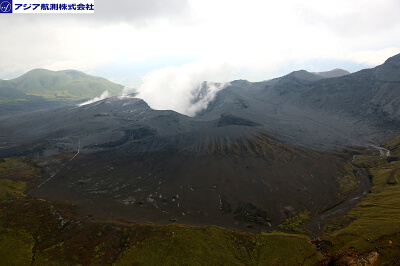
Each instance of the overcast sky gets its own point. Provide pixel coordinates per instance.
(184, 42)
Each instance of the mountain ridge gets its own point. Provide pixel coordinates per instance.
(334, 73)
(369, 92)
(351, 110)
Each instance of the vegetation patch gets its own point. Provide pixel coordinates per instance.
(9, 187)
(347, 180)
(15, 247)
(186, 245)
(296, 222)
(8, 165)
(17, 169)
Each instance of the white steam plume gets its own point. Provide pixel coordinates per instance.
(204, 94)
(126, 91)
(178, 88)
(104, 95)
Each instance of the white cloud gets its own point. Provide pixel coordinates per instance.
(373, 58)
(352, 18)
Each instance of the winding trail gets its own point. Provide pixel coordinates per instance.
(318, 222)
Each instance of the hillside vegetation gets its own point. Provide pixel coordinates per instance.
(66, 85)
(373, 225)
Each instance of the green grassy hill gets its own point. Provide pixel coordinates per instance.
(8, 93)
(65, 85)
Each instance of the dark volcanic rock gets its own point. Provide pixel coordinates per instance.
(227, 120)
(251, 182)
(247, 212)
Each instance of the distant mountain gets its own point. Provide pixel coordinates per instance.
(66, 85)
(334, 73)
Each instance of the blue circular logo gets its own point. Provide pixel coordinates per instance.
(5, 7)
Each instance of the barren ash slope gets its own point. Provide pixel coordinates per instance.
(308, 110)
(258, 155)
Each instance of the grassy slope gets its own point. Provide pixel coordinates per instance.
(8, 93)
(374, 222)
(66, 85)
(15, 243)
(56, 241)
(178, 245)
(15, 247)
